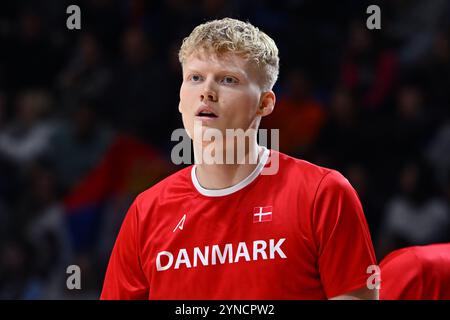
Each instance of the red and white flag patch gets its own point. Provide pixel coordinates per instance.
(262, 214)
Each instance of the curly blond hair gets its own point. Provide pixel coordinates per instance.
(235, 36)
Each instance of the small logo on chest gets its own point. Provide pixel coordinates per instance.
(262, 214)
(180, 224)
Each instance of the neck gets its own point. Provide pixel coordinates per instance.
(224, 175)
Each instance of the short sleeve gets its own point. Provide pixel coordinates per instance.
(124, 277)
(342, 236)
(401, 276)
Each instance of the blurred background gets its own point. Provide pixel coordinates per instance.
(86, 118)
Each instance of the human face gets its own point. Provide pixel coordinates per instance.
(220, 92)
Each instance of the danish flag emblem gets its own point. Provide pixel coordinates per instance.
(262, 214)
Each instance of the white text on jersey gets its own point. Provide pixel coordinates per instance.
(216, 255)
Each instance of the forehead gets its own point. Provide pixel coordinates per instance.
(207, 61)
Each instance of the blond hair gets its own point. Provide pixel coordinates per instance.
(234, 36)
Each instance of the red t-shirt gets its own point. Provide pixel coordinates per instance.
(416, 273)
(297, 234)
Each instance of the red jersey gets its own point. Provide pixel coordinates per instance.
(416, 273)
(297, 234)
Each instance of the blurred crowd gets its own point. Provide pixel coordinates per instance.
(86, 118)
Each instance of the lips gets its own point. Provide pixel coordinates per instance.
(206, 112)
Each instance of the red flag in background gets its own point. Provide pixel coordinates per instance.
(127, 168)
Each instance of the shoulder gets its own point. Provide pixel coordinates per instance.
(417, 272)
(289, 165)
(432, 257)
(314, 177)
(426, 256)
(400, 258)
(406, 264)
(401, 275)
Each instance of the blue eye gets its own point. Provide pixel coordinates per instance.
(195, 78)
(229, 80)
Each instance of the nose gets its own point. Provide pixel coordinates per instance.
(208, 94)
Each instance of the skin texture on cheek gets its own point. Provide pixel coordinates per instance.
(188, 122)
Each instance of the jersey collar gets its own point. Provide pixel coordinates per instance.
(240, 185)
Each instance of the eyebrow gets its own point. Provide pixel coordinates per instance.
(221, 71)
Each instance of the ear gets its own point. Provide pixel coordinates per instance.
(266, 103)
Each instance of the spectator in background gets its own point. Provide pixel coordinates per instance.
(32, 57)
(2, 109)
(28, 136)
(414, 24)
(411, 127)
(16, 257)
(78, 144)
(105, 19)
(4, 223)
(438, 154)
(3, 180)
(7, 176)
(44, 228)
(344, 132)
(367, 70)
(400, 134)
(298, 116)
(173, 75)
(359, 176)
(139, 79)
(437, 74)
(417, 214)
(87, 73)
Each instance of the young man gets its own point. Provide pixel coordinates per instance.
(416, 273)
(228, 231)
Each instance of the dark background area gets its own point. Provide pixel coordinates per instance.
(86, 118)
